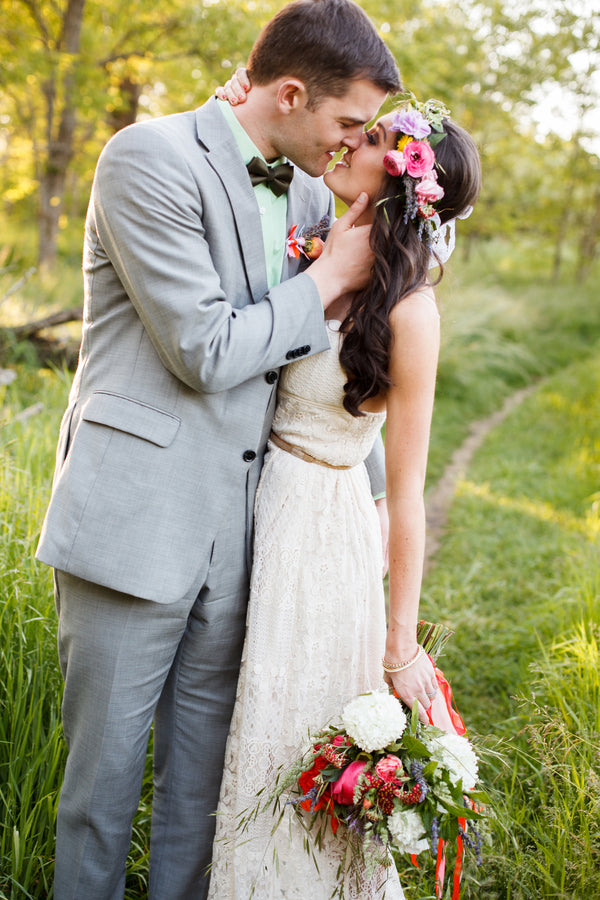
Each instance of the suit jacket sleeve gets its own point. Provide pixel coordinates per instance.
(146, 214)
(375, 464)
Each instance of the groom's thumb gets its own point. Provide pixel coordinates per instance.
(355, 211)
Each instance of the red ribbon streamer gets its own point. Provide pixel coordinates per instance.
(440, 869)
(459, 859)
(455, 718)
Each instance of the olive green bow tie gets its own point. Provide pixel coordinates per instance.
(277, 178)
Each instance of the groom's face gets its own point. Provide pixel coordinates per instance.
(311, 137)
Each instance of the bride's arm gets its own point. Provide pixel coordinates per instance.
(413, 365)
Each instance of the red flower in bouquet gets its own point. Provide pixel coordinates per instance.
(389, 768)
(308, 783)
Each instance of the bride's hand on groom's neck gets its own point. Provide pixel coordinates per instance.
(235, 90)
(345, 263)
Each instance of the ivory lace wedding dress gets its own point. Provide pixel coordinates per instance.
(315, 634)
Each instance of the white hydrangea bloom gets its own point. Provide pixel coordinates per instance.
(374, 720)
(455, 753)
(406, 828)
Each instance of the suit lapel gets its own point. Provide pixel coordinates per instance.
(298, 203)
(224, 157)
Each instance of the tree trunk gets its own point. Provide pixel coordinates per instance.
(127, 113)
(589, 241)
(60, 140)
(561, 235)
(50, 350)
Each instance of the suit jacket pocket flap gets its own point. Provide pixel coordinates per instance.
(132, 417)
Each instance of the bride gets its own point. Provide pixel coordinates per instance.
(316, 633)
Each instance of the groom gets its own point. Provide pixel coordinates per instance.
(191, 307)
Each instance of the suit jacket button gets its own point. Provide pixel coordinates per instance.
(306, 349)
(249, 455)
(290, 354)
(271, 377)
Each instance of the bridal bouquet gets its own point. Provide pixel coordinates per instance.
(391, 783)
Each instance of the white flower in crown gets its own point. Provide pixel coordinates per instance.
(406, 827)
(455, 753)
(374, 720)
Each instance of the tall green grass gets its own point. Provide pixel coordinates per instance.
(31, 748)
(518, 578)
(503, 326)
(517, 571)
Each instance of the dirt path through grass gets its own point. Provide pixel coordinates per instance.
(439, 499)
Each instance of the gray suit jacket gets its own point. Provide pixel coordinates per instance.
(182, 341)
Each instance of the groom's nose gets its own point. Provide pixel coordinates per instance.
(353, 137)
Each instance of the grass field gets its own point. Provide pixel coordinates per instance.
(516, 576)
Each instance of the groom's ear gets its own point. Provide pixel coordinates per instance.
(291, 95)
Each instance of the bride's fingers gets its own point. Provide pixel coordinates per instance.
(235, 89)
(417, 682)
(440, 715)
(242, 78)
(228, 92)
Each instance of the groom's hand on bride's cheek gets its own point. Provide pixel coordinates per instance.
(347, 256)
(235, 90)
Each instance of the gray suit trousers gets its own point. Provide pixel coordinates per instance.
(127, 662)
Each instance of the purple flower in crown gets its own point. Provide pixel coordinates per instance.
(411, 121)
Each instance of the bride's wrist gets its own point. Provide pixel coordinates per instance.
(399, 653)
(396, 666)
(400, 640)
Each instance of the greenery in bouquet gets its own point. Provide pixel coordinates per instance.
(388, 784)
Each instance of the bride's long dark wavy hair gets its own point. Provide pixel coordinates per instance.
(401, 266)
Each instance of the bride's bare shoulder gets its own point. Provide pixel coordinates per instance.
(416, 312)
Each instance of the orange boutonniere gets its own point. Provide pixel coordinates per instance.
(307, 241)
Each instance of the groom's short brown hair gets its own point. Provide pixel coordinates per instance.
(326, 44)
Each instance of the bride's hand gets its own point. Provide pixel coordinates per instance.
(416, 682)
(235, 90)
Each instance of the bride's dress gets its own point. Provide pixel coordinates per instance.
(315, 637)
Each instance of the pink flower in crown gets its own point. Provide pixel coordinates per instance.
(419, 158)
(394, 162)
(388, 768)
(428, 190)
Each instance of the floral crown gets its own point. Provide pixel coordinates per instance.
(413, 161)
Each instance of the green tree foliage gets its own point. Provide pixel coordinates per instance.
(74, 71)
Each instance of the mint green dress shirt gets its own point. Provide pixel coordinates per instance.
(272, 209)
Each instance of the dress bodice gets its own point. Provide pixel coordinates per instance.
(310, 413)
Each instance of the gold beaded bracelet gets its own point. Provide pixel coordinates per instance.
(399, 667)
